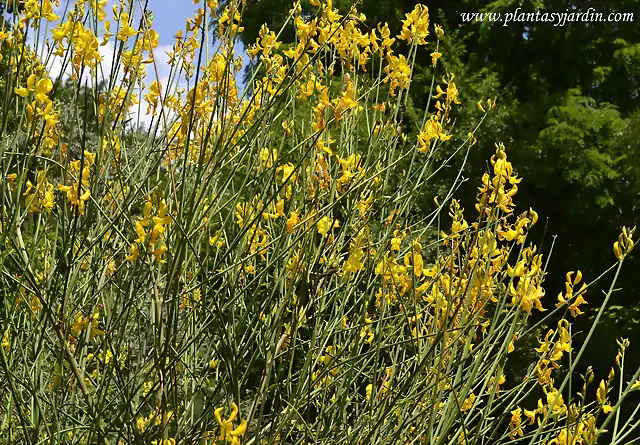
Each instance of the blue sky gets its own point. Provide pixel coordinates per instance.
(169, 16)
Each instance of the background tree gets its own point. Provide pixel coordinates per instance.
(568, 115)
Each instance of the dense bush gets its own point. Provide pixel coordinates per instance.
(252, 267)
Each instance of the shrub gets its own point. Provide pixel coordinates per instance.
(251, 268)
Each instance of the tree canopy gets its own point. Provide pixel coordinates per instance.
(567, 113)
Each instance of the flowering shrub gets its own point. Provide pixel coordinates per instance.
(251, 269)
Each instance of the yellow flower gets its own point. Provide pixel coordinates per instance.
(98, 8)
(279, 210)
(141, 423)
(22, 92)
(452, 92)
(515, 427)
(151, 98)
(531, 416)
(325, 224)
(468, 403)
(133, 253)
(601, 395)
(5, 344)
(268, 157)
(325, 147)
(217, 240)
(73, 198)
(11, 179)
(170, 441)
(511, 347)
(287, 127)
(43, 88)
(126, 31)
(159, 253)
(573, 307)
(288, 177)
(414, 27)
(369, 390)
(569, 294)
(354, 262)
(552, 395)
(111, 268)
(432, 131)
(47, 11)
(625, 243)
(39, 197)
(292, 221)
(398, 72)
(227, 432)
(434, 57)
(348, 101)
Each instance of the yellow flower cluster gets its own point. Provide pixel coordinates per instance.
(82, 323)
(39, 197)
(624, 245)
(415, 26)
(156, 418)
(72, 34)
(5, 343)
(574, 307)
(496, 190)
(79, 191)
(154, 227)
(42, 118)
(228, 433)
(36, 9)
(432, 131)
